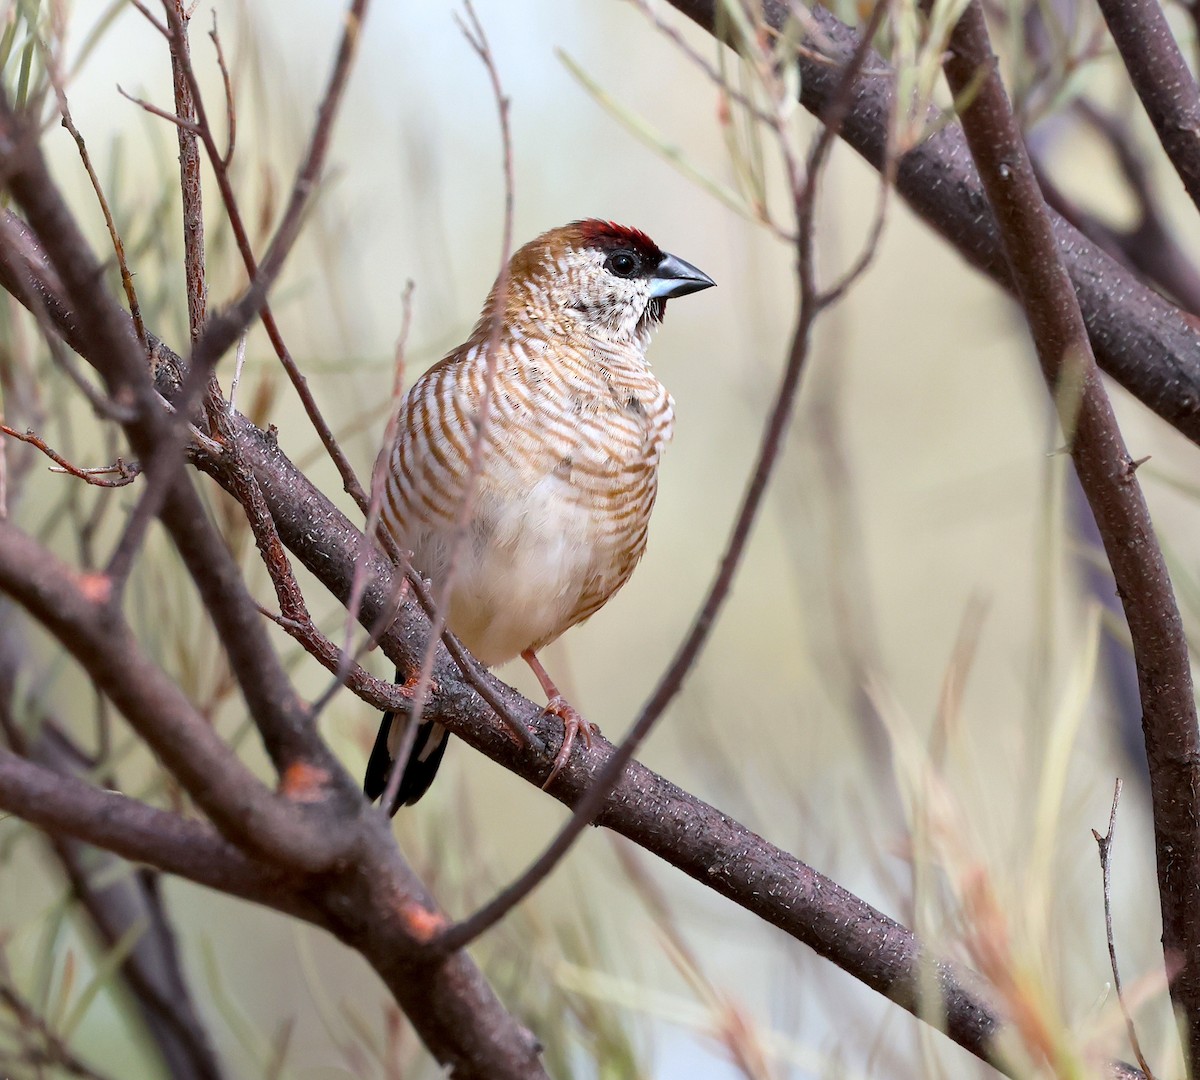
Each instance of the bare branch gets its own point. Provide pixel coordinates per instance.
(189, 174)
(118, 245)
(124, 473)
(1162, 79)
(1104, 843)
(474, 33)
(1108, 478)
(294, 616)
(180, 122)
(1140, 339)
(230, 110)
(148, 15)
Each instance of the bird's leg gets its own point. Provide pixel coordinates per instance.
(557, 705)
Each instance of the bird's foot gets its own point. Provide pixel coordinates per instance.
(573, 724)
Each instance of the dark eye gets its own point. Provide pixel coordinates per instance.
(623, 263)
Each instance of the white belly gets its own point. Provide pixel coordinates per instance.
(523, 568)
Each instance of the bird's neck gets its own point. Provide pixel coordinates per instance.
(615, 345)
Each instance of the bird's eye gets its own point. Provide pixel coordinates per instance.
(623, 263)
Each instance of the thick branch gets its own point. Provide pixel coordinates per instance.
(68, 806)
(115, 903)
(1107, 477)
(1162, 79)
(73, 608)
(647, 809)
(1139, 338)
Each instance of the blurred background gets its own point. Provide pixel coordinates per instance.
(907, 688)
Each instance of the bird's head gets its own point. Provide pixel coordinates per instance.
(597, 278)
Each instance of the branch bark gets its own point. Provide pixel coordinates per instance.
(1163, 81)
(1107, 476)
(114, 902)
(1140, 339)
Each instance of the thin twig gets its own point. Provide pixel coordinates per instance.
(162, 114)
(477, 39)
(804, 199)
(238, 364)
(262, 273)
(123, 472)
(715, 75)
(149, 17)
(293, 614)
(382, 694)
(135, 310)
(1104, 843)
(378, 490)
(190, 191)
(227, 82)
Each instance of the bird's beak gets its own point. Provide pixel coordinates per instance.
(674, 277)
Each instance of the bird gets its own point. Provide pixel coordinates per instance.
(574, 433)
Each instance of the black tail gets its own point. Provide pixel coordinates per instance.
(423, 762)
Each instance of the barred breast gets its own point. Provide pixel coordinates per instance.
(574, 440)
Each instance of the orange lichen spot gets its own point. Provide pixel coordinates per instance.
(303, 782)
(421, 923)
(96, 587)
(409, 686)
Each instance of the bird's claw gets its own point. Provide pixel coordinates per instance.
(573, 724)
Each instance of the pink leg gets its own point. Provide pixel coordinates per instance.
(557, 705)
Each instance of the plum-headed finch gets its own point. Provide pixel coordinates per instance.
(575, 429)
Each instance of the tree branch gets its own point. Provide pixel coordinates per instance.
(68, 806)
(681, 829)
(74, 608)
(1162, 79)
(1107, 476)
(1139, 338)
